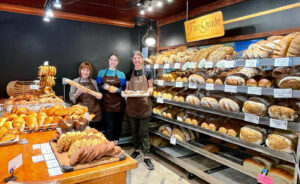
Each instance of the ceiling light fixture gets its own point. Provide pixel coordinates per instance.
(150, 38)
(49, 13)
(142, 12)
(159, 4)
(57, 4)
(170, 1)
(150, 8)
(46, 19)
(138, 4)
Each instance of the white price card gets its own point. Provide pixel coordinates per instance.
(36, 146)
(193, 65)
(148, 66)
(52, 163)
(38, 158)
(178, 84)
(156, 66)
(230, 64)
(166, 66)
(254, 90)
(160, 82)
(251, 63)
(59, 129)
(49, 156)
(251, 118)
(276, 123)
(46, 148)
(202, 63)
(209, 86)
(185, 66)
(36, 81)
(177, 66)
(15, 162)
(160, 100)
(209, 64)
(282, 61)
(193, 85)
(54, 171)
(230, 88)
(34, 87)
(173, 140)
(283, 93)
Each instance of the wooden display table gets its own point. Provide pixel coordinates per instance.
(112, 173)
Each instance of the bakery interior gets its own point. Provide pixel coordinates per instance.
(225, 101)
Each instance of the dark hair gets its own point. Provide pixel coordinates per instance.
(85, 65)
(113, 54)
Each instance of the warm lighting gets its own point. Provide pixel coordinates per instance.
(57, 4)
(142, 12)
(138, 4)
(49, 13)
(46, 19)
(170, 1)
(150, 8)
(150, 41)
(159, 4)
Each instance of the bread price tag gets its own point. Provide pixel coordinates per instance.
(156, 66)
(193, 65)
(160, 100)
(148, 66)
(166, 66)
(254, 90)
(54, 171)
(209, 86)
(178, 84)
(193, 85)
(282, 62)
(230, 88)
(185, 66)
(209, 64)
(230, 64)
(160, 82)
(38, 158)
(251, 63)
(36, 87)
(15, 163)
(263, 179)
(251, 118)
(276, 123)
(283, 93)
(177, 66)
(173, 140)
(202, 63)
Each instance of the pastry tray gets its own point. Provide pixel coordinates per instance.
(32, 107)
(6, 143)
(63, 160)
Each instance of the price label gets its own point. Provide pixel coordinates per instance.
(230, 89)
(230, 64)
(263, 179)
(276, 123)
(193, 85)
(193, 65)
(166, 66)
(156, 66)
(36, 81)
(15, 163)
(185, 66)
(148, 66)
(160, 82)
(210, 86)
(202, 63)
(282, 62)
(254, 90)
(160, 100)
(177, 66)
(178, 84)
(54, 171)
(251, 63)
(209, 65)
(251, 118)
(283, 93)
(34, 87)
(59, 130)
(173, 140)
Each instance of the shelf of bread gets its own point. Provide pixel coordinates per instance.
(225, 107)
(252, 163)
(242, 134)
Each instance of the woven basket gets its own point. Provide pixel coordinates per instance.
(15, 88)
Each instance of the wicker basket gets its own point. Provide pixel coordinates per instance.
(15, 88)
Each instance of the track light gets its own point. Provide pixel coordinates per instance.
(159, 4)
(170, 1)
(150, 8)
(57, 4)
(49, 13)
(46, 19)
(142, 12)
(138, 4)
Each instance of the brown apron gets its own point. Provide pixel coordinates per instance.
(111, 102)
(138, 107)
(90, 101)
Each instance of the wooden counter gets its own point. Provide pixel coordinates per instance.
(113, 173)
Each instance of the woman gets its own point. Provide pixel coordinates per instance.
(111, 82)
(139, 108)
(78, 96)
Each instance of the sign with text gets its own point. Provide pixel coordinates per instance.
(205, 27)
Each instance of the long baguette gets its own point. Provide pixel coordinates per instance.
(86, 90)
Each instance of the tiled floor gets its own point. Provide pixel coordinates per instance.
(165, 172)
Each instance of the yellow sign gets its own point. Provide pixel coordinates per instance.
(205, 27)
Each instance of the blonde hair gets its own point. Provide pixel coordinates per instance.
(139, 53)
(87, 66)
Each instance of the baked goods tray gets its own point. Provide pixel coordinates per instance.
(32, 107)
(6, 143)
(235, 115)
(239, 89)
(289, 61)
(63, 160)
(259, 148)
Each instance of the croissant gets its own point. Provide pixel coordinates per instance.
(22, 110)
(31, 122)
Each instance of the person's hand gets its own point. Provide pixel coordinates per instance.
(106, 86)
(99, 96)
(112, 89)
(150, 91)
(78, 93)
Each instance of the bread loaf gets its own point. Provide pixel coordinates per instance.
(211, 148)
(178, 134)
(282, 113)
(251, 83)
(86, 90)
(165, 129)
(192, 99)
(269, 163)
(283, 46)
(282, 141)
(287, 167)
(281, 176)
(253, 134)
(265, 83)
(256, 108)
(227, 104)
(236, 79)
(253, 165)
(294, 49)
(292, 82)
(210, 102)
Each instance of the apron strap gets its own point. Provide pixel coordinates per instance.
(105, 72)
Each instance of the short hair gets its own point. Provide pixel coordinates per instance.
(139, 53)
(85, 65)
(113, 54)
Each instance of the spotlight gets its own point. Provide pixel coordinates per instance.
(170, 1)
(159, 4)
(150, 8)
(138, 4)
(57, 4)
(150, 38)
(49, 13)
(150, 41)
(142, 12)
(46, 19)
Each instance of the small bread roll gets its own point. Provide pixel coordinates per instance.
(251, 83)
(209, 80)
(265, 83)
